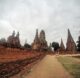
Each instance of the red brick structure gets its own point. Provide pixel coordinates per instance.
(14, 41)
(70, 45)
(62, 47)
(40, 42)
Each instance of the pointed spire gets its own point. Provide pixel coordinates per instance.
(70, 45)
(17, 34)
(62, 47)
(42, 35)
(69, 36)
(36, 37)
(36, 33)
(13, 34)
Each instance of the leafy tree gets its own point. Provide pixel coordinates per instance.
(78, 44)
(27, 46)
(55, 45)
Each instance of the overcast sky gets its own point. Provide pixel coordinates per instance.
(54, 16)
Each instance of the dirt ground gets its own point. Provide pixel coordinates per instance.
(49, 67)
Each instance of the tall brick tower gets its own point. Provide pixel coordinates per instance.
(62, 47)
(39, 42)
(43, 41)
(70, 45)
(36, 42)
(14, 41)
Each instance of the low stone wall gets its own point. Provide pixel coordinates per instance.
(9, 69)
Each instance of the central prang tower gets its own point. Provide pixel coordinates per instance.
(40, 42)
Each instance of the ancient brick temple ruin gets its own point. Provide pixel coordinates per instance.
(70, 45)
(13, 40)
(40, 42)
(62, 47)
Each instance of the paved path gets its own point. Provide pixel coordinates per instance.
(49, 67)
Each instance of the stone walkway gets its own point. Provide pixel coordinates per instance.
(49, 67)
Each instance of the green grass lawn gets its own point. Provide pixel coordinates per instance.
(71, 64)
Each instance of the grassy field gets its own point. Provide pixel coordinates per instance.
(71, 64)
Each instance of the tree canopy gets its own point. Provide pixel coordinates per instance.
(27, 46)
(78, 44)
(55, 45)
